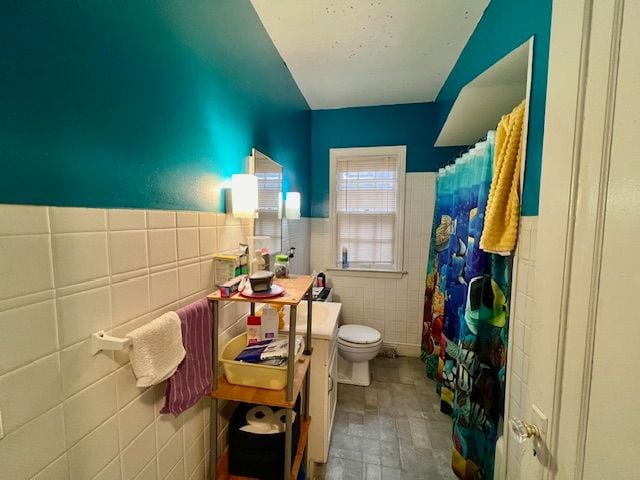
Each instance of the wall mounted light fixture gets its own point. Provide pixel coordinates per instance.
(244, 196)
(292, 205)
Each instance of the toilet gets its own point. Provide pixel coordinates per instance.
(357, 344)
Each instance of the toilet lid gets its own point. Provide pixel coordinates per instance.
(358, 334)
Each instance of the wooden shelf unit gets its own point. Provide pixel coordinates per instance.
(223, 462)
(295, 290)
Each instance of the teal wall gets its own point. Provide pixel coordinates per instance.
(505, 25)
(142, 104)
(413, 125)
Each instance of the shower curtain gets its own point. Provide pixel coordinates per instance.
(466, 312)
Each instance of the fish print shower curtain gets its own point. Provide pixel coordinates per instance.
(466, 314)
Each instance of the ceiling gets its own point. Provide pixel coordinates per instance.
(369, 52)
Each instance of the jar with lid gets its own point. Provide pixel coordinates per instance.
(281, 267)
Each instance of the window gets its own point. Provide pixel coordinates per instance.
(367, 198)
(269, 205)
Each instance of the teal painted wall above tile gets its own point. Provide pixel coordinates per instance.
(413, 125)
(505, 25)
(142, 104)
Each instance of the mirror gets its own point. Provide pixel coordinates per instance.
(269, 219)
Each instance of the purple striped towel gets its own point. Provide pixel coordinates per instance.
(192, 379)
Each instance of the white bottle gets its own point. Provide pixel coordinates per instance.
(253, 329)
(269, 326)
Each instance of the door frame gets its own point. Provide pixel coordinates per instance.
(581, 89)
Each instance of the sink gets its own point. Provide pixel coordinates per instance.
(320, 313)
(325, 319)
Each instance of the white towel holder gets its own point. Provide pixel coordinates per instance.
(101, 341)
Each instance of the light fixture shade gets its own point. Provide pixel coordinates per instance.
(292, 203)
(244, 195)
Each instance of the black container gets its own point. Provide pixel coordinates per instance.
(258, 455)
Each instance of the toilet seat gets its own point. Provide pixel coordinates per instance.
(358, 336)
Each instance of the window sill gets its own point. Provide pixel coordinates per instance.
(366, 272)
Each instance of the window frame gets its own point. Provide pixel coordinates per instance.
(400, 152)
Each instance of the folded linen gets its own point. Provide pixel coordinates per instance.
(156, 350)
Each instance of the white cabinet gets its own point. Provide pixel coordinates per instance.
(323, 397)
(324, 372)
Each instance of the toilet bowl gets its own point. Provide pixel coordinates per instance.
(357, 344)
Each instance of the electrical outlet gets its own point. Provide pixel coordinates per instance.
(541, 421)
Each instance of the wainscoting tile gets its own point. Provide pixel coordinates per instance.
(139, 452)
(127, 219)
(28, 333)
(129, 299)
(187, 243)
(71, 219)
(25, 264)
(161, 219)
(23, 220)
(94, 452)
(33, 446)
(164, 288)
(30, 391)
(89, 408)
(82, 314)
(127, 251)
(187, 219)
(162, 246)
(78, 257)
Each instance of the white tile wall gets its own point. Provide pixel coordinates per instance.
(69, 272)
(297, 233)
(392, 306)
(521, 323)
(23, 275)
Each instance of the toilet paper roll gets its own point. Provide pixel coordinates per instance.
(259, 429)
(279, 419)
(260, 415)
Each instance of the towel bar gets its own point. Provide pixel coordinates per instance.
(102, 341)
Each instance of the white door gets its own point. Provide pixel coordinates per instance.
(611, 442)
(586, 358)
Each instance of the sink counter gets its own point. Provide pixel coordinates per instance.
(324, 323)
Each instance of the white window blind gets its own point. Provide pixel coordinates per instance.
(368, 196)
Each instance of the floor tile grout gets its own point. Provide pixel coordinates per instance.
(391, 429)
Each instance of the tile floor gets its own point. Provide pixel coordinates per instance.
(392, 429)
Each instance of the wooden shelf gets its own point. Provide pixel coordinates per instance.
(263, 396)
(295, 289)
(222, 469)
(302, 445)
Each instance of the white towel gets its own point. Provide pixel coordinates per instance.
(156, 349)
